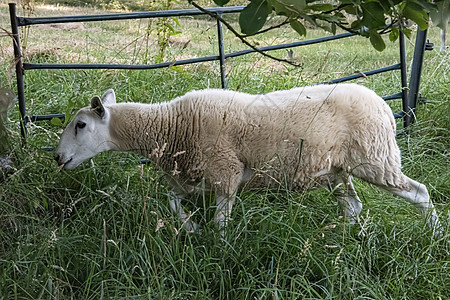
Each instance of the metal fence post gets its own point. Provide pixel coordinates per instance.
(19, 68)
(223, 79)
(416, 72)
(404, 81)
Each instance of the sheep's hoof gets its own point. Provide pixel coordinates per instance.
(6, 167)
(352, 220)
(191, 227)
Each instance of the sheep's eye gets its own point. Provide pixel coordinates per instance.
(80, 124)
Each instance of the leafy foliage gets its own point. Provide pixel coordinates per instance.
(254, 16)
(165, 27)
(366, 17)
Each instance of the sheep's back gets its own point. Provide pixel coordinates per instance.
(294, 134)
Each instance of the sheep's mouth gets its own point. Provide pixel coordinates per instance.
(64, 165)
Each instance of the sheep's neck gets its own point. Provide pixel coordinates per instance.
(139, 129)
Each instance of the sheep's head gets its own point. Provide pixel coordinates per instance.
(87, 134)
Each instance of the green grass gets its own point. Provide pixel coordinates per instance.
(91, 233)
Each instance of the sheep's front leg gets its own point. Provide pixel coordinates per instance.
(223, 211)
(225, 175)
(348, 199)
(175, 205)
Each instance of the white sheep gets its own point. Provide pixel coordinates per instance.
(300, 138)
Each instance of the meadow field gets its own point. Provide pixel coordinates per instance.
(105, 229)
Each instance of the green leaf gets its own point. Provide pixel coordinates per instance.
(393, 35)
(281, 9)
(356, 24)
(417, 14)
(311, 20)
(330, 18)
(427, 5)
(289, 8)
(386, 5)
(333, 28)
(321, 7)
(394, 2)
(325, 26)
(376, 40)
(254, 16)
(297, 5)
(175, 19)
(353, 10)
(373, 15)
(297, 26)
(221, 2)
(56, 122)
(407, 32)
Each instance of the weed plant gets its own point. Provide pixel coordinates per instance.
(105, 230)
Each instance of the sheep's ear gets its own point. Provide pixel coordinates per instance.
(109, 97)
(97, 106)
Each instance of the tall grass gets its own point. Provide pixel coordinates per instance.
(105, 230)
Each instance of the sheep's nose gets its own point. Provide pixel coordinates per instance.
(57, 157)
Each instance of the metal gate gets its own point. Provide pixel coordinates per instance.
(408, 94)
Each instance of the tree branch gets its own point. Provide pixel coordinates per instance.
(341, 6)
(241, 37)
(267, 29)
(346, 28)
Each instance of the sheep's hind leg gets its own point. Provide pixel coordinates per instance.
(348, 199)
(175, 205)
(417, 194)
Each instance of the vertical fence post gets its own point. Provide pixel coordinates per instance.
(416, 71)
(404, 79)
(19, 68)
(223, 79)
